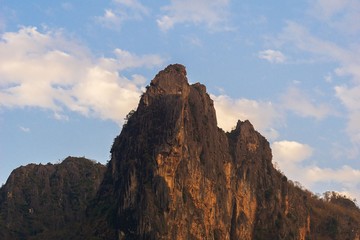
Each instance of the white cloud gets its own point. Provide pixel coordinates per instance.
(24, 129)
(272, 56)
(122, 11)
(263, 115)
(213, 13)
(60, 116)
(110, 19)
(49, 71)
(290, 157)
(301, 104)
(291, 151)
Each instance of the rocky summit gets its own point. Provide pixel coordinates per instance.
(174, 174)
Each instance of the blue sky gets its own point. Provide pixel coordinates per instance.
(71, 71)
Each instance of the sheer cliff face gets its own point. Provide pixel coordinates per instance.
(175, 175)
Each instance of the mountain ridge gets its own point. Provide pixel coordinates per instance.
(174, 174)
(185, 178)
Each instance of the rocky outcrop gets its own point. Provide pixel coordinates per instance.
(174, 174)
(48, 201)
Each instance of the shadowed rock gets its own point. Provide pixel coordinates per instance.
(174, 174)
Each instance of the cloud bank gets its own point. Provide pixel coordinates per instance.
(49, 71)
(213, 14)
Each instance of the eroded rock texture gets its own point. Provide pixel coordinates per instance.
(175, 175)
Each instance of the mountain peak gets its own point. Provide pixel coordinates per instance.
(174, 174)
(171, 80)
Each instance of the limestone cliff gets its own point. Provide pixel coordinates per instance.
(174, 174)
(48, 201)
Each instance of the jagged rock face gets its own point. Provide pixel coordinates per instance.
(175, 175)
(48, 201)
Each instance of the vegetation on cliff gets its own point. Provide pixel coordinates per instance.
(48, 201)
(173, 174)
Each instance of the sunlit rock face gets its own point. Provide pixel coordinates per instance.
(174, 174)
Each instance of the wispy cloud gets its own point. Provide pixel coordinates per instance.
(194, 41)
(67, 6)
(350, 98)
(339, 14)
(214, 14)
(272, 56)
(24, 129)
(48, 70)
(123, 10)
(345, 56)
(300, 103)
(110, 19)
(133, 4)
